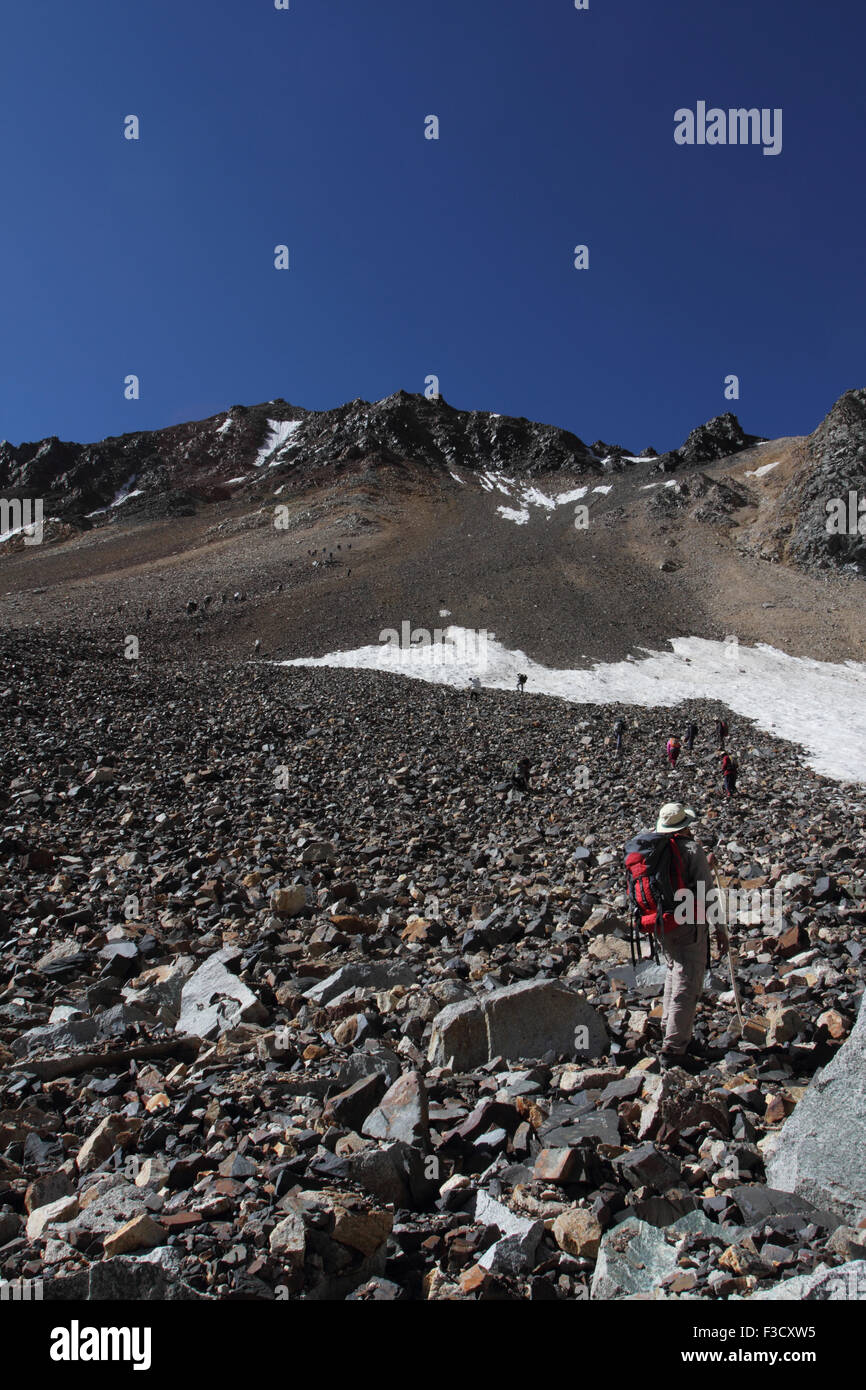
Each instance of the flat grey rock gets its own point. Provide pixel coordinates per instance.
(525, 1020)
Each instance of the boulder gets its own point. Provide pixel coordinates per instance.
(378, 975)
(632, 1258)
(64, 1209)
(141, 1231)
(846, 1283)
(525, 1020)
(402, 1112)
(820, 1151)
(214, 1000)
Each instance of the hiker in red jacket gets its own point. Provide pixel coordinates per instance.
(729, 773)
(673, 750)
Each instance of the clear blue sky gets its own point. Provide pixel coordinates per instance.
(411, 256)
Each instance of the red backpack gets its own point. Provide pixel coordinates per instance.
(656, 870)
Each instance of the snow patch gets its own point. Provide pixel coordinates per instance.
(520, 518)
(128, 490)
(765, 468)
(780, 693)
(539, 499)
(280, 432)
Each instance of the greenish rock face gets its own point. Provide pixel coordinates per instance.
(633, 1258)
(821, 1149)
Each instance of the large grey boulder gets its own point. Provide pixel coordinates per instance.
(820, 1151)
(214, 1000)
(525, 1020)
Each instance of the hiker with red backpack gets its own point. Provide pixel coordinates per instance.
(729, 773)
(673, 750)
(670, 879)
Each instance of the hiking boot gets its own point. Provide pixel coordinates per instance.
(680, 1059)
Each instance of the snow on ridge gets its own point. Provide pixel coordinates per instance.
(226, 425)
(764, 468)
(122, 495)
(779, 693)
(527, 497)
(281, 432)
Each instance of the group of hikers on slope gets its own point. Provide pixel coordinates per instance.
(671, 881)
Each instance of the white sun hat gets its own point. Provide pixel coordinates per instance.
(673, 817)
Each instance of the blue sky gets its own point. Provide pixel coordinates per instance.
(412, 257)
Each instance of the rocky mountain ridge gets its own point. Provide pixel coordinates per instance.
(172, 471)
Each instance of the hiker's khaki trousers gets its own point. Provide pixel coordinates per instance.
(685, 950)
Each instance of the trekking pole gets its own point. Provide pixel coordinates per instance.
(731, 961)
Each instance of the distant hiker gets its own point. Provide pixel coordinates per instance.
(521, 682)
(619, 729)
(191, 606)
(721, 732)
(729, 773)
(673, 750)
(474, 687)
(258, 646)
(691, 730)
(520, 776)
(670, 880)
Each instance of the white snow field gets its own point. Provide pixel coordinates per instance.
(817, 704)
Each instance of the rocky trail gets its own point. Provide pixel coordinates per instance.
(300, 997)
